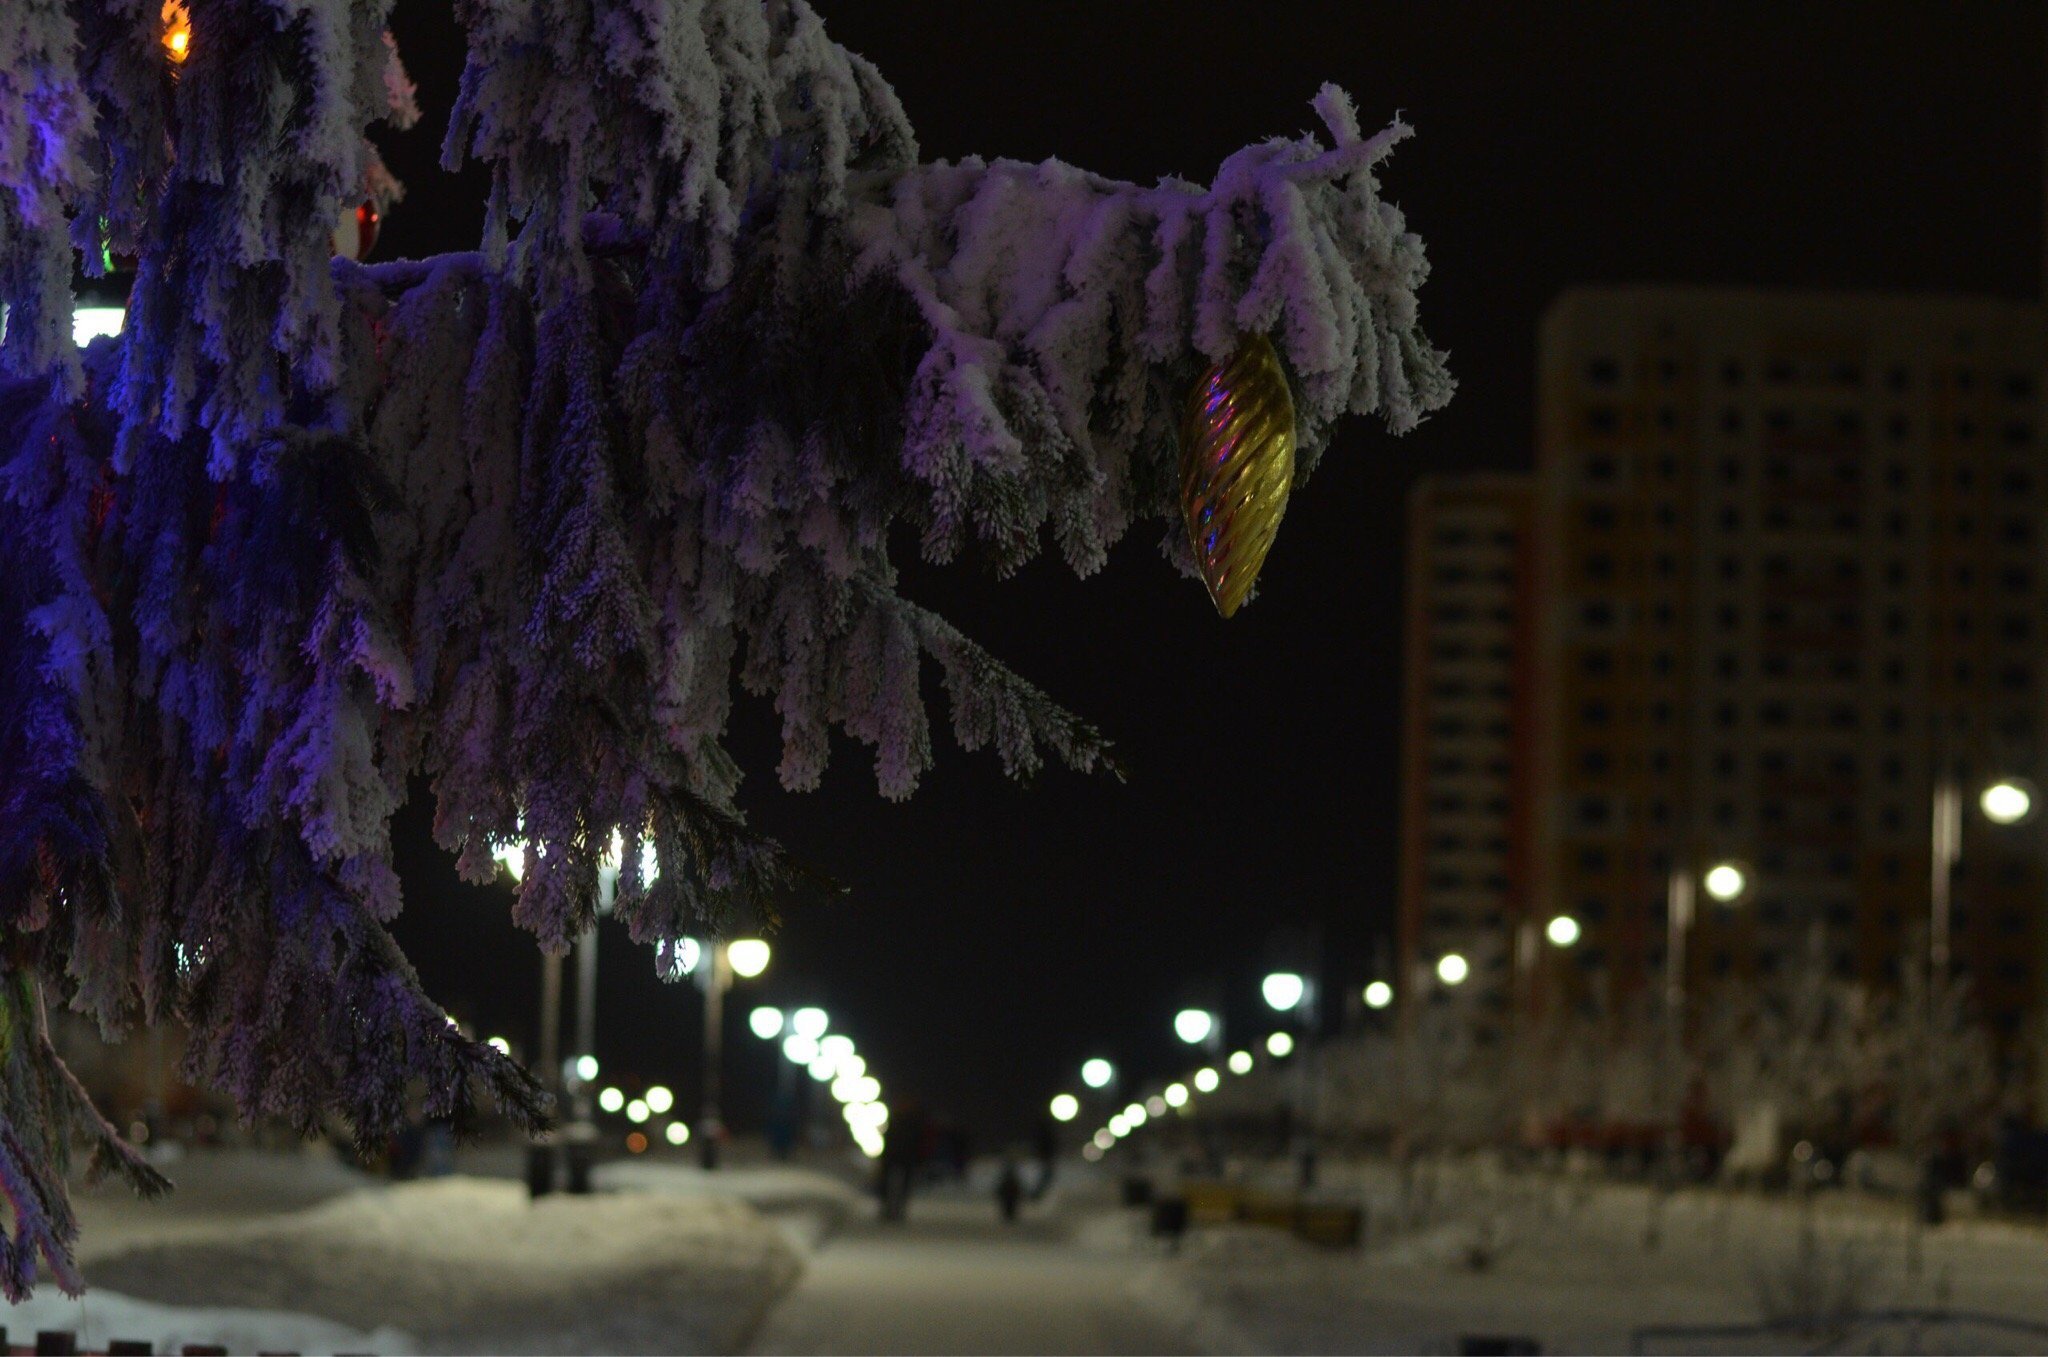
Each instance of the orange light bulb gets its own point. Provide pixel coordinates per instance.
(177, 20)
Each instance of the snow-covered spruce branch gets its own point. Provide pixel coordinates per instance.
(520, 521)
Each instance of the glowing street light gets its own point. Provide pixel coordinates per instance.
(1207, 1081)
(1284, 991)
(1065, 1107)
(611, 1100)
(1379, 994)
(1097, 1073)
(799, 1049)
(1104, 1139)
(637, 1112)
(1176, 1095)
(677, 1133)
(747, 956)
(1725, 882)
(1134, 1115)
(659, 1100)
(1562, 931)
(1240, 1062)
(809, 1023)
(1452, 969)
(2006, 802)
(1280, 1045)
(1194, 1025)
(766, 1022)
(500, 1045)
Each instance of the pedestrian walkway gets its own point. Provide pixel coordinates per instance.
(955, 1280)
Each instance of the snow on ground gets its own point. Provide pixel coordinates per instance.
(1566, 1264)
(468, 1264)
(808, 1206)
(954, 1279)
(100, 1316)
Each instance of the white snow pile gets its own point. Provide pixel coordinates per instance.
(99, 1316)
(466, 1264)
(808, 1207)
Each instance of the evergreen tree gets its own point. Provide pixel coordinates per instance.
(518, 520)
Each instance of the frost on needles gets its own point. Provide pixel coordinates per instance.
(521, 520)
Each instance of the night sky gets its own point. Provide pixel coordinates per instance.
(997, 935)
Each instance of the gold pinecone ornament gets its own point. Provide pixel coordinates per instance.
(1236, 467)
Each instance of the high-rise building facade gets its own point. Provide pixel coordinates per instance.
(1466, 738)
(1790, 576)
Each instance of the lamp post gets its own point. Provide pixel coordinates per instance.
(1294, 995)
(2007, 801)
(746, 958)
(1725, 883)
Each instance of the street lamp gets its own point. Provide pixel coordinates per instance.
(1725, 882)
(1097, 1073)
(1562, 931)
(1379, 994)
(766, 1022)
(1280, 1045)
(1065, 1107)
(1206, 1080)
(1284, 991)
(1452, 969)
(2006, 802)
(1240, 1062)
(809, 1023)
(1195, 1025)
(748, 957)
(1176, 1095)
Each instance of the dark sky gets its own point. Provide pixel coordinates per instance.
(997, 935)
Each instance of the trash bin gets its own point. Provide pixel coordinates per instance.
(1170, 1218)
(578, 1156)
(540, 1170)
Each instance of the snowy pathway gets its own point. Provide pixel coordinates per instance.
(954, 1280)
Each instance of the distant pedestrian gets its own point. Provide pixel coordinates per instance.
(1009, 1191)
(903, 1145)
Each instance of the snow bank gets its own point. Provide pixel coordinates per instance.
(101, 1316)
(808, 1207)
(466, 1264)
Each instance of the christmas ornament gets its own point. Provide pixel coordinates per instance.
(1236, 467)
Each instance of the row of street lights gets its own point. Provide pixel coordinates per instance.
(741, 958)
(831, 1058)
(1286, 992)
